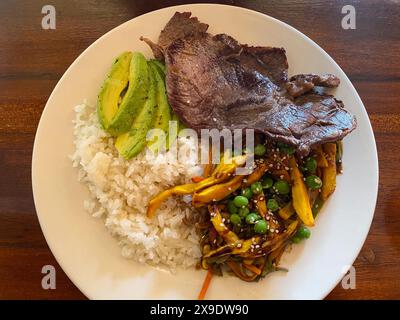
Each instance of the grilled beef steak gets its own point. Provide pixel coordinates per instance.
(216, 82)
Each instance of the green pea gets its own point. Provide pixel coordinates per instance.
(311, 164)
(240, 201)
(251, 218)
(246, 192)
(231, 207)
(313, 182)
(303, 233)
(256, 188)
(281, 187)
(235, 219)
(267, 182)
(261, 227)
(284, 148)
(296, 239)
(272, 205)
(243, 212)
(260, 150)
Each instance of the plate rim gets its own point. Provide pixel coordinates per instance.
(186, 7)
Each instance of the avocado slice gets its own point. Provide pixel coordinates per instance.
(113, 86)
(133, 142)
(160, 66)
(120, 116)
(163, 112)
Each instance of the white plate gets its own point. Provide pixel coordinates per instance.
(91, 257)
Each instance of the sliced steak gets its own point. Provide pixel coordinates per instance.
(216, 82)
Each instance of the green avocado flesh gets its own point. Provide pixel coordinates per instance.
(113, 86)
(115, 117)
(163, 112)
(133, 142)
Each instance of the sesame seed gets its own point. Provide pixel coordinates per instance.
(267, 217)
(281, 176)
(286, 168)
(244, 180)
(229, 188)
(272, 230)
(214, 199)
(221, 225)
(215, 119)
(257, 246)
(255, 201)
(261, 198)
(239, 245)
(271, 165)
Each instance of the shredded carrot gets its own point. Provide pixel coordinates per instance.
(197, 179)
(252, 268)
(206, 283)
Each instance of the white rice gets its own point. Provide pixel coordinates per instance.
(121, 189)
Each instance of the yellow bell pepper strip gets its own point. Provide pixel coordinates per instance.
(216, 219)
(287, 211)
(261, 204)
(256, 175)
(321, 159)
(301, 202)
(329, 173)
(156, 202)
(216, 192)
(224, 169)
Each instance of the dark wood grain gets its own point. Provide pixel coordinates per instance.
(32, 60)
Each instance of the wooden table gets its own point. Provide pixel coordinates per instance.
(32, 60)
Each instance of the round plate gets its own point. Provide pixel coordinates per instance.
(91, 257)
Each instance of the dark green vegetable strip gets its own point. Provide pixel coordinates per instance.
(339, 155)
(318, 203)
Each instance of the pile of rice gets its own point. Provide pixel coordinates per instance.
(121, 189)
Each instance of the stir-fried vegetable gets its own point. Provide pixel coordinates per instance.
(301, 202)
(252, 218)
(329, 172)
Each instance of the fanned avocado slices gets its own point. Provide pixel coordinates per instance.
(117, 110)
